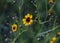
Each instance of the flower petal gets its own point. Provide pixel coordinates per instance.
(51, 42)
(24, 20)
(58, 33)
(54, 38)
(30, 16)
(31, 21)
(26, 24)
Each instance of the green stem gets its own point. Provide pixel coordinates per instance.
(18, 36)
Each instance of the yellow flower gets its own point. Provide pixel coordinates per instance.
(27, 20)
(50, 1)
(58, 33)
(14, 28)
(51, 41)
(54, 39)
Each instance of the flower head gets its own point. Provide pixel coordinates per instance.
(14, 28)
(54, 38)
(50, 1)
(58, 33)
(27, 20)
(51, 41)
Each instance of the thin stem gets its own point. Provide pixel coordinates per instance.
(18, 36)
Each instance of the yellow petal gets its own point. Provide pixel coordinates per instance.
(54, 38)
(14, 25)
(58, 33)
(50, 1)
(24, 20)
(26, 24)
(26, 16)
(31, 21)
(30, 16)
(51, 41)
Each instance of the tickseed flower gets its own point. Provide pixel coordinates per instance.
(50, 1)
(14, 28)
(27, 20)
(51, 41)
(54, 38)
(58, 33)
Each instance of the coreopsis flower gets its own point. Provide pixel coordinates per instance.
(58, 33)
(50, 1)
(14, 27)
(54, 38)
(27, 20)
(51, 41)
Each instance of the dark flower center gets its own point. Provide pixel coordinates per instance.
(28, 19)
(14, 28)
